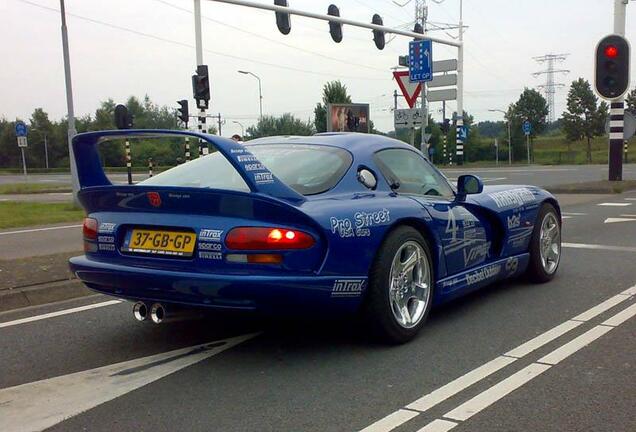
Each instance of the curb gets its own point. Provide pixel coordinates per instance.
(40, 294)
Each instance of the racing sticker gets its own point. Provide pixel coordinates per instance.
(210, 255)
(514, 221)
(476, 254)
(347, 288)
(361, 224)
(265, 177)
(213, 235)
(106, 239)
(106, 228)
(512, 265)
(483, 274)
(107, 247)
(512, 198)
(246, 158)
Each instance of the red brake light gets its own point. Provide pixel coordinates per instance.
(90, 229)
(611, 51)
(257, 238)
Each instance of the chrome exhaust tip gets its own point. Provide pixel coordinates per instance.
(157, 313)
(140, 311)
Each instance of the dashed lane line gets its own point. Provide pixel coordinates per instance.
(614, 204)
(39, 229)
(59, 313)
(456, 386)
(598, 247)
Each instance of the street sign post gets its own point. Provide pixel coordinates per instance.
(421, 60)
(407, 118)
(21, 135)
(410, 90)
(463, 133)
(527, 129)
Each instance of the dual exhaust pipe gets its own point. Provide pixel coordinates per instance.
(158, 313)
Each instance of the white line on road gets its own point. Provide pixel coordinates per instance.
(438, 426)
(565, 351)
(621, 317)
(41, 404)
(614, 204)
(573, 214)
(449, 390)
(391, 421)
(618, 219)
(58, 313)
(496, 392)
(39, 229)
(599, 247)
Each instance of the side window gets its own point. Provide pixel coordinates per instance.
(413, 173)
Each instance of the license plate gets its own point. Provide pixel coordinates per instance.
(173, 243)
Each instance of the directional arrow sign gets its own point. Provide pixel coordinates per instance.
(410, 90)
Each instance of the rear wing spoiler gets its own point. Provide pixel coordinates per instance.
(257, 177)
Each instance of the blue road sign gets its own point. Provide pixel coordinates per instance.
(20, 129)
(420, 60)
(463, 133)
(527, 127)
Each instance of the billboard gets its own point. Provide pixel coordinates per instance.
(348, 118)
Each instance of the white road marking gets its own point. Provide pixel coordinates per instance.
(391, 421)
(496, 392)
(452, 388)
(39, 405)
(39, 229)
(565, 351)
(618, 219)
(438, 426)
(630, 199)
(614, 204)
(58, 313)
(566, 217)
(543, 338)
(628, 215)
(573, 214)
(598, 247)
(456, 386)
(621, 317)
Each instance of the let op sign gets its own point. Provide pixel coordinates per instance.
(421, 60)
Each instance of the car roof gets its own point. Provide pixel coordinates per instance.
(356, 143)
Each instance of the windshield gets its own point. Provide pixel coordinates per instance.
(308, 169)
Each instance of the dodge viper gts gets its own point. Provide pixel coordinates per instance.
(326, 224)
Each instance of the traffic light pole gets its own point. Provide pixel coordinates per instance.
(203, 147)
(460, 88)
(617, 107)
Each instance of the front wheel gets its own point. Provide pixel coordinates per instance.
(545, 245)
(400, 286)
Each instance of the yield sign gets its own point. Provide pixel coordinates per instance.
(410, 90)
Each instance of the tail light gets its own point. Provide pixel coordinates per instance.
(258, 238)
(89, 229)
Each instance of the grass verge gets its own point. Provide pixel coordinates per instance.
(597, 187)
(21, 214)
(32, 188)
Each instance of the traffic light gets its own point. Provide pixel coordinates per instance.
(418, 29)
(123, 119)
(378, 35)
(445, 126)
(282, 19)
(612, 67)
(201, 86)
(184, 113)
(335, 29)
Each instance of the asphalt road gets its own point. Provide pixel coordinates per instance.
(512, 357)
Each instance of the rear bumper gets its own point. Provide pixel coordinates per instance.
(220, 291)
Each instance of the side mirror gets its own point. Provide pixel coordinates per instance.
(468, 185)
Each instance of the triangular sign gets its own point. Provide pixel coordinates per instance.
(410, 90)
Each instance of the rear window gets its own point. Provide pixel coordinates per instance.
(308, 169)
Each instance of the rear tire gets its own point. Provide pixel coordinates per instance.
(545, 245)
(400, 292)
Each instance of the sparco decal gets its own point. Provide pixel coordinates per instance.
(106, 239)
(512, 197)
(347, 288)
(483, 274)
(254, 167)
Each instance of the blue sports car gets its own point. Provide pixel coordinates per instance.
(332, 223)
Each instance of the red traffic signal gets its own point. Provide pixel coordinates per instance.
(612, 67)
(611, 51)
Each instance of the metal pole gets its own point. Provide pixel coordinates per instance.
(528, 146)
(150, 167)
(509, 145)
(617, 107)
(496, 152)
(260, 100)
(24, 169)
(395, 97)
(128, 162)
(46, 152)
(197, 32)
(69, 103)
(460, 85)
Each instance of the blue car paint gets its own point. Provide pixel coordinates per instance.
(473, 243)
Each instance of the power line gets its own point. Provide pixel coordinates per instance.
(550, 85)
(183, 44)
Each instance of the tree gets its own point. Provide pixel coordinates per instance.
(630, 101)
(286, 124)
(332, 92)
(532, 107)
(584, 117)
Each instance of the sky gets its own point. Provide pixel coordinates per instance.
(137, 47)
